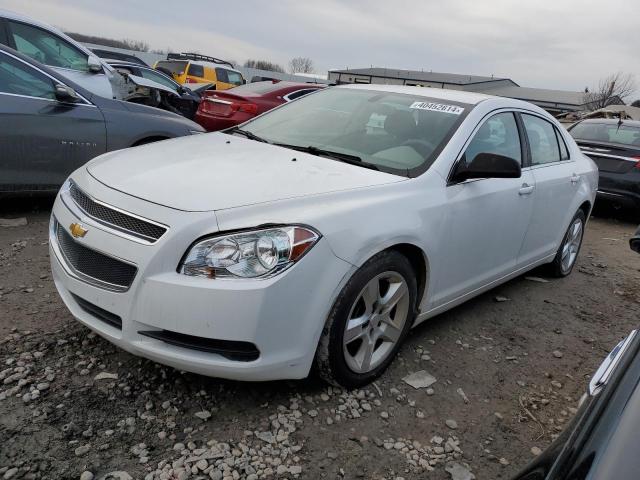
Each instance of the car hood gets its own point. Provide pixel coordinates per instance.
(216, 171)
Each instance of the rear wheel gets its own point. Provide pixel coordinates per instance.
(567, 254)
(368, 322)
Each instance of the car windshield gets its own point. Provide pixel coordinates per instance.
(607, 132)
(258, 88)
(393, 132)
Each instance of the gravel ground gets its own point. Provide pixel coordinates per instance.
(509, 368)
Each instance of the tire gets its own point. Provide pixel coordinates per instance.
(377, 326)
(570, 245)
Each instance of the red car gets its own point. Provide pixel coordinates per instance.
(224, 109)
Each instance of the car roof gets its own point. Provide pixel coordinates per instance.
(201, 63)
(611, 121)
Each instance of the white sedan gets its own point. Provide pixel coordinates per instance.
(318, 233)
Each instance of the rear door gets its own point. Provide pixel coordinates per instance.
(556, 187)
(43, 140)
(487, 219)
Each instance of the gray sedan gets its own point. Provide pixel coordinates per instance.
(50, 126)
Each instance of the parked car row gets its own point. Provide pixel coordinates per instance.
(62, 105)
(51, 126)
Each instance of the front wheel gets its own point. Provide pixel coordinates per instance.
(368, 322)
(567, 254)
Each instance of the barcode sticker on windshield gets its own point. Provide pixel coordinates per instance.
(438, 107)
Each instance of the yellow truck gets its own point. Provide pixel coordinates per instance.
(188, 68)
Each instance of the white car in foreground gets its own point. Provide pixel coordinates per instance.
(318, 232)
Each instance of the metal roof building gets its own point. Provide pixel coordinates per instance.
(420, 78)
(554, 101)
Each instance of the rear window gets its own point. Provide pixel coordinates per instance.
(259, 88)
(196, 70)
(175, 67)
(608, 133)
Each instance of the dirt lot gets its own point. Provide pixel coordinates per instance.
(509, 374)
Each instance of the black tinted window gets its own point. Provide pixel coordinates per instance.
(499, 135)
(221, 73)
(196, 70)
(564, 152)
(20, 79)
(298, 94)
(542, 140)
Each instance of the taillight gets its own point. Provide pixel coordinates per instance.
(226, 108)
(190, 80)
(250, 108)
(637, 165)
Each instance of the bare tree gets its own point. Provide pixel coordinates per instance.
(636, 103)
(301, 65)
(612, 90)
(264, 65)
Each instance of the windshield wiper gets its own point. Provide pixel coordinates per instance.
(321, 152)
(249, 135)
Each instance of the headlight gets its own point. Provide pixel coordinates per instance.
(257, 253)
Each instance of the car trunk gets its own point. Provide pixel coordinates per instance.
(611, 158)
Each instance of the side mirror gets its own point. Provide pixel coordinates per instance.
(488, 165)
(94, 64)
(66, 94)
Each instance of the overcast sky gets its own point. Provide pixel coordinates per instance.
(562, 44)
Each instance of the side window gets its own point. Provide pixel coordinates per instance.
(564, 151)
(47, 48)
(20, 79)
(221, 73)
(196, 70)
(235, 78)
(542, 140)
(499, 135)
(298, 94)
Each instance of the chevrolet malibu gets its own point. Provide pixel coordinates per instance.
(319, 233)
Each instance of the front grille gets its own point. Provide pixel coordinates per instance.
(231, 349)
(612, 165)
(94, 267)
(99, 313)
(116, 219)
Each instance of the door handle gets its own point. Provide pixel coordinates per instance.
(575, 179)
(526, 189)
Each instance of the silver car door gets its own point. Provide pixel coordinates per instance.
(486, 219)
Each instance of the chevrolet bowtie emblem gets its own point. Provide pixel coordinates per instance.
(77, 230)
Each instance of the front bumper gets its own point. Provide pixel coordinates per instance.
(282, 316)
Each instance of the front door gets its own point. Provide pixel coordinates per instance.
(487, 219)
(54, 51)
(43, 140)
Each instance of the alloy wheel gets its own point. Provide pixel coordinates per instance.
(572, 245)
(376, 321)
